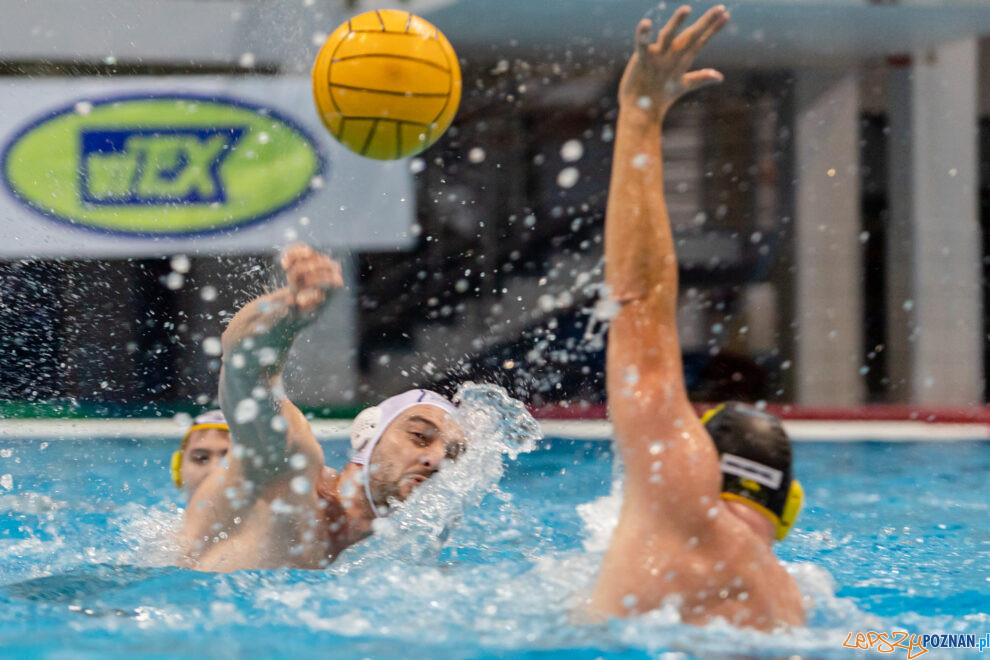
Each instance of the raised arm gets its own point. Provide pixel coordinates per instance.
(264, 424)
(675, 537)
(670, 462)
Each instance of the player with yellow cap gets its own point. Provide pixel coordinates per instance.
(680, 542)
(758, 483)
(203, 446)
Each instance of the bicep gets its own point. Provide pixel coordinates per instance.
(671, 465)
(301, 440)
(225, 493)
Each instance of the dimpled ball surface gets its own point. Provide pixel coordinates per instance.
(387, 84)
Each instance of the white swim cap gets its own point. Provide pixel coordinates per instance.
(363, 430)
(210, 417)
(369, 426)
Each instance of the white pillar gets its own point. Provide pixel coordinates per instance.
(322, 367)
(693, 328)
(828, 350)
(760, 311)
(934, 297)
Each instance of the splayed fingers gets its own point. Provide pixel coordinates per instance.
(667, 33)
(659, 69)
(694, 38)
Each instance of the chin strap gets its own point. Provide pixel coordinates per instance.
(370, 427)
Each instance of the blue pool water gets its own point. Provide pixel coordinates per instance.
(894, 536)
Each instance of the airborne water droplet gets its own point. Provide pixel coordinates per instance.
(180, 263)
(267, 356)
(571, 151)
(174, 281)
(246, 411)
(476, 155)
(568, 177)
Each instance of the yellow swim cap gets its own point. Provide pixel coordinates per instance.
(213, 419)
(756, 462)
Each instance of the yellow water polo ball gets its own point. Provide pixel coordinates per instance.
(387, 84)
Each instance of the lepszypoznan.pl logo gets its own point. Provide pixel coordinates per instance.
(916, 645)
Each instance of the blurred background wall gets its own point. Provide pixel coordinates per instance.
(828, 202)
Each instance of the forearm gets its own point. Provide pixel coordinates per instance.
(256, 345)
(644, 371)
(639, 250)
(268, 321)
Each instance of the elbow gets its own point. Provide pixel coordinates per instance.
(238, 336)
(652, 296)
(623, 293)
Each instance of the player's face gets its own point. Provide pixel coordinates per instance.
(202, 455)
(411, 450)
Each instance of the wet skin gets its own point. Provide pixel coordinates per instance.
(274, 503)
(676, 540)
(411, 450)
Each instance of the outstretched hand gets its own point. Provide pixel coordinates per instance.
(312, 276)
(658, 72)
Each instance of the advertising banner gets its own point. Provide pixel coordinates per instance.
(200, 165)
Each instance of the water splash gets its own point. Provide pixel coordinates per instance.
(495, 426)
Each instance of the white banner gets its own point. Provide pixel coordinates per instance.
(198, 165)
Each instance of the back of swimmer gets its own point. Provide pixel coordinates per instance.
(755, 456)
(203, 446)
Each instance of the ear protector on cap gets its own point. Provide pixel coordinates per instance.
(755, 459)
(177, 469)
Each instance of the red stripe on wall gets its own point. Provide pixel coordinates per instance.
(871, 412)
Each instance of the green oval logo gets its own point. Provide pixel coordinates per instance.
(159, 165)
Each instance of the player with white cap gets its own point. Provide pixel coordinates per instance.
(276, 504)
(368, 431)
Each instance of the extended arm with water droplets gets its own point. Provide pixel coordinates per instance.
(672, 474)
(256, 344)
(646, 390)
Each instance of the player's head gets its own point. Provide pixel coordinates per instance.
(402, 442)
(757, 479)
(205, 443)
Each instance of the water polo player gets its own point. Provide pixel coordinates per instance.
(758, 483)
(276, 504)
(676, 542)
(201, 449)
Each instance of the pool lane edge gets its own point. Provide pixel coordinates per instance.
(592, 430)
